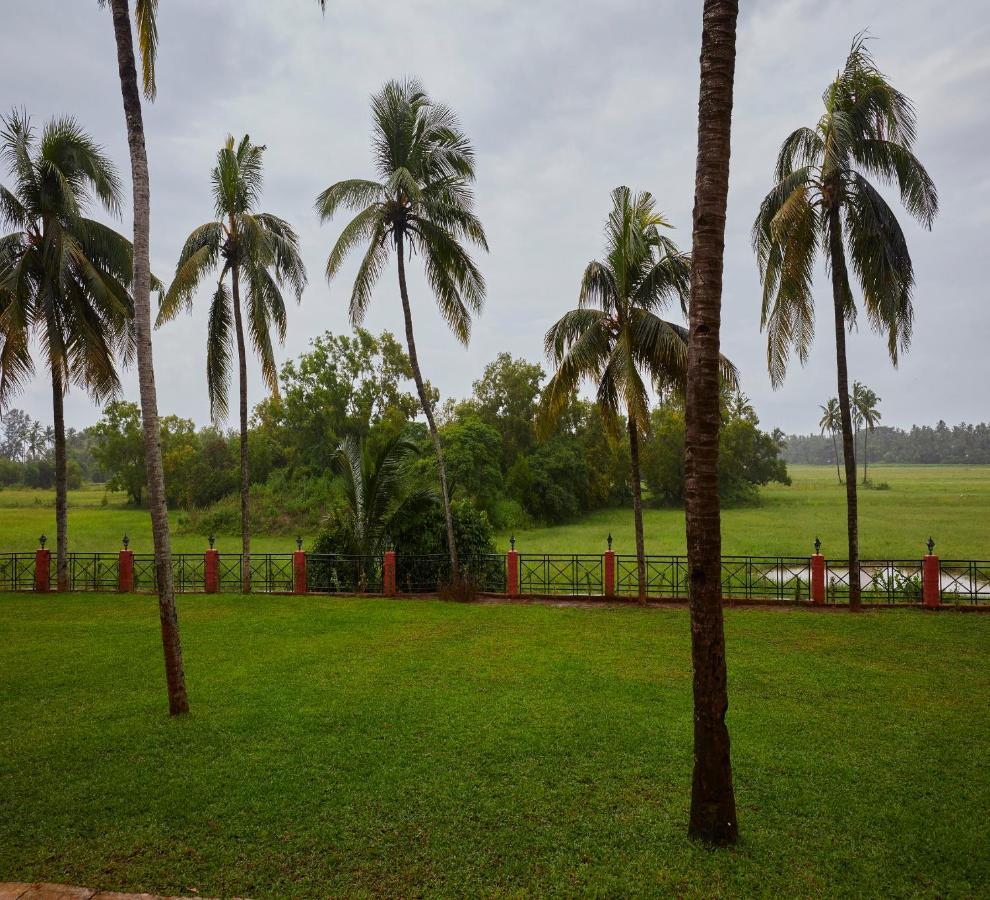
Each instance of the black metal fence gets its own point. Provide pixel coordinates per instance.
(785, 579)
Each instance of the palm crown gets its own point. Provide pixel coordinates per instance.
(63, 277)
(615, 333)
(426, 166)
(258, 246)
(866, 131)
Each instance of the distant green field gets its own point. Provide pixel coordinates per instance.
(951, 503)
(343, 747)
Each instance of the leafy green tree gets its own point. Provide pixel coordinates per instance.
(831, 421)
(615, 333)
(824, 200)
(259, 249)
(423, 204)
(506, 397)
(147, 32)
(120, 448)
(64, 278)
(472, 451)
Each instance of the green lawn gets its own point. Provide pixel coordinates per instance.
(341, 747)
(948, 502)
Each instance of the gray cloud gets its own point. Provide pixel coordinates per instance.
(563, 101)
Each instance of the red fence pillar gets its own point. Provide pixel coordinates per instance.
(512, 573)
(931, 581)
(125, 572)
(388, 574)
(42, 565)
(817, 578)
(299, 583)
(211, 571)
(608, 573)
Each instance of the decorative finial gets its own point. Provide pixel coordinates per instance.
(818, 545)
(512, 542)
(126, 540)
(211, 539)
(44, 541)
(298, 542)
(931, 545)
(609, 540)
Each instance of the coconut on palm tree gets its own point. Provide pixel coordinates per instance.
(825, 200)
(831, 421)
(147, 32)
(259, 254)
(64, 278)
(616, 338)
(423, 204)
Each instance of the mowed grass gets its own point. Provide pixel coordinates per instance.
(950, 503)
(341, 747)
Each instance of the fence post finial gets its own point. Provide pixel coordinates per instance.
(818, 545)
(931, 546)
(43, 540)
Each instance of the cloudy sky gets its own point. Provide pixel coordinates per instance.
(563, 100)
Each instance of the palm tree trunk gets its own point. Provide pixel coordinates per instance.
(835, 453)
(713, 804)
(866, 453)
(243, 410)
(178, 701)
(427, 407)
(61, 501)
(840, 294)
(637, 507)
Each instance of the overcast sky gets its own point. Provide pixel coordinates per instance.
(563, 100)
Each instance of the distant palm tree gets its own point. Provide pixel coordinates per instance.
(615, 333)
(866, 416)
(423, 204)
(824, 200)
(713, 805)
(831, 421)
(263, 251)
(64, 279)
(147, 32)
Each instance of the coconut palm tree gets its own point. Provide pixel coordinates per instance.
(713, 805)
(147, 32)
(64, 278)
(866, 416)
(825, 200)
(258, 250)
(831, 421)
(615, 336)
(423, 204)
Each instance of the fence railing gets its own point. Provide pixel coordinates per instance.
(791, 579)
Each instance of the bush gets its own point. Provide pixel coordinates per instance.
(423, 531)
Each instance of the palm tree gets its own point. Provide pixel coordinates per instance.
(866, 416)
(713, 806)
(824, 199)
(260, 250)
(615, 333)
(422, 204)
(64, 279)
(831, 421)
(147, 30)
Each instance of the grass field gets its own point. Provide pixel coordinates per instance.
(341, 747)
(947, 502)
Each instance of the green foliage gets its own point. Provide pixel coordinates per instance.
(554, 480)
(120, 448)
(472, 451)
(421, 529)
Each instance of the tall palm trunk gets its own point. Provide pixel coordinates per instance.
(427, 406)
(178, 701)
(835, 453)
(61, 500)
(243, 409)
(713, 805)
(840, 297)
(866, 452)
(637, 507)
